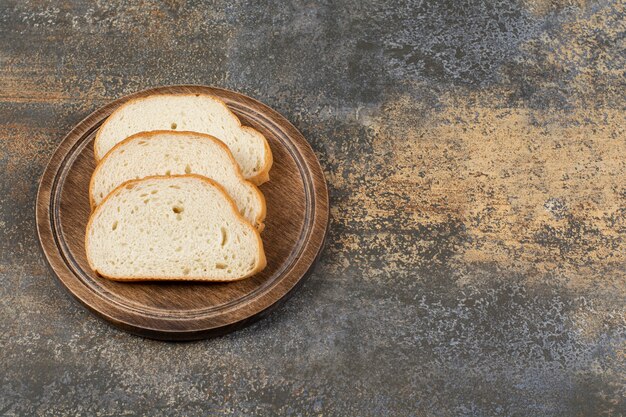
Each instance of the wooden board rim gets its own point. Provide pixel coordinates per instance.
(204, 322)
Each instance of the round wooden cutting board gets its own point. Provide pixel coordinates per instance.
(296, 223)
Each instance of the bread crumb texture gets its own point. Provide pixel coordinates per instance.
(171, 227)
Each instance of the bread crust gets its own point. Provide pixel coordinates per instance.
(258, 179)
(261, 263)
(264, 175)
(151, 134)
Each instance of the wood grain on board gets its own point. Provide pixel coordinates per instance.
(297, 219)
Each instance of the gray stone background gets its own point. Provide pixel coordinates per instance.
(474, 152)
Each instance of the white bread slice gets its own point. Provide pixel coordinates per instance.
(189, 112)
(176, 153)
(181, 227)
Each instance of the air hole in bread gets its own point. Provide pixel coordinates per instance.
(143, 195)
(174, 126)
(220, 265)
(178, 249)
(179, 217)
(224, 236)
(114, 226)
(176, 187)
(154, 191)
(178, 209)
(188, 169)
(186, 271)
(101, 195)
(146, 201)
(168, 172)
(142, 142)
(130, 187)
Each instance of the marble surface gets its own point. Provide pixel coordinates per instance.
(474, 153)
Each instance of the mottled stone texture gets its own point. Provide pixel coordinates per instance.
(475, 155)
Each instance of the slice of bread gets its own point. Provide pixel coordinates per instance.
(176, 153)
(181, 227)
(189, 112)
